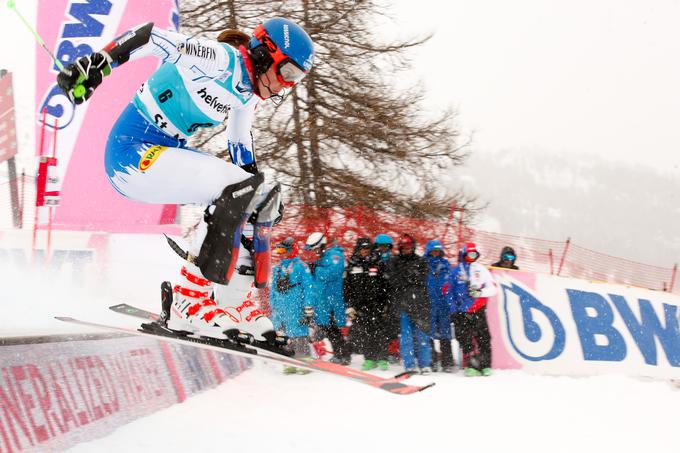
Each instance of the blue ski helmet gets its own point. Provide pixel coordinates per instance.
(383, 239)
(286, 45)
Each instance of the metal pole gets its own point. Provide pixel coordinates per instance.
(14, 192)
(460, 230)
(48, 252)
(35, 217)
(564, 254)
(673, 275)
(448, 221)
(23, 199)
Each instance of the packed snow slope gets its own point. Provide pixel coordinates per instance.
(264, 410)
(511, 411)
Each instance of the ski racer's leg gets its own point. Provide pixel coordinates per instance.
(147, 165)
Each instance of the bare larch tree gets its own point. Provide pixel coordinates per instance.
(347, 135)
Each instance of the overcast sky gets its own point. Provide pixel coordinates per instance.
(576, 76)
(571, 77)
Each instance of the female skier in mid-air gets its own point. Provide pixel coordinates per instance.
(200, 83)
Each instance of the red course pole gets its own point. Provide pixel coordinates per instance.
(39, 190)
(564, 254)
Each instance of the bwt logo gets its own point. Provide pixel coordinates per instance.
(536, 332)
(72, 45)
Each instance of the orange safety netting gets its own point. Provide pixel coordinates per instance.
(534, 255)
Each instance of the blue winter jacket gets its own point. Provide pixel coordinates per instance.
(291, 291)
(438, 276)
(461, 279)
(328, 294)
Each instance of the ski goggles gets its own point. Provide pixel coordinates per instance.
(472, 255)
(508, 257)
(288, 72)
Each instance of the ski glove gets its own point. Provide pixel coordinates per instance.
(79, 80)
(351, 313)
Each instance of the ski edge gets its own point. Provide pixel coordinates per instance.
(310, 364)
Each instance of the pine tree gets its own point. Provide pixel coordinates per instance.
(348, 134)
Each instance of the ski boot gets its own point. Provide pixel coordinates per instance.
(472, 372)
(248, 324)
(384, 365)
(289, 369)
(487, 372)
(344, 361)
(426, 370)
(369, 365)
(188, 308)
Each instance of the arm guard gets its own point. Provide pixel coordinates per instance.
(120, 49)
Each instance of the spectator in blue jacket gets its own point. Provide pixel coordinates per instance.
(382, 247)
(289, 295)
(329, 305)
(437, 280)
(471, 284)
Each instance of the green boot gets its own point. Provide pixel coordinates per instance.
(369, 365)
(384, 365)
(487, 372)
(288, 369)
(472, 372)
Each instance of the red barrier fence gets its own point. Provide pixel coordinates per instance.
(534, 255)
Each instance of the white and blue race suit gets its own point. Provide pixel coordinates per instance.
(199, 83)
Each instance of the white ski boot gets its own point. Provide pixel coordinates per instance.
(237, 300)
(193, 310)
(200, 307)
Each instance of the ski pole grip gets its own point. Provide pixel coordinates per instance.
(78, 91)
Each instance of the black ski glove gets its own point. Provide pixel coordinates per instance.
(79, 80)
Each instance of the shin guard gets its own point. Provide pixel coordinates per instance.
(225, 220)
(265, 216)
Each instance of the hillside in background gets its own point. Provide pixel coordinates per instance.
(612, 207)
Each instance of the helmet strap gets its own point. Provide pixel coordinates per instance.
(276, 98)
(251, 71)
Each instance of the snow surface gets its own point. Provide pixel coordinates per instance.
(264, 410)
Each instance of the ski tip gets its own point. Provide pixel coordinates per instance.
(424, 387)
(405, 374)
(63, 318)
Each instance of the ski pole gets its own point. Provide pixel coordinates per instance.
(79, 89)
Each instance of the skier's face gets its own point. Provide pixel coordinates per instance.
(268, 83)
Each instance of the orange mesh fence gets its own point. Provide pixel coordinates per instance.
(534, 255)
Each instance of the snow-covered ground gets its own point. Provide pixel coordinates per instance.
(264, 410)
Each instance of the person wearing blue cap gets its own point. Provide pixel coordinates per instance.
(437, 284)
(290, 294)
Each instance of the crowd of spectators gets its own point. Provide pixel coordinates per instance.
(380, 294)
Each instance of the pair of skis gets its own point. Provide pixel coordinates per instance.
(393, 384)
